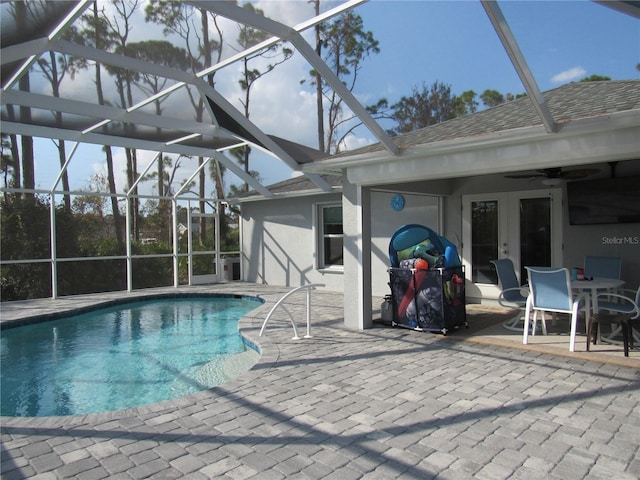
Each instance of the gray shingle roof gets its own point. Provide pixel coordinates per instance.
(296, 184)
(569, 102)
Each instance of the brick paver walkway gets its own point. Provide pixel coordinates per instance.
(379, 404)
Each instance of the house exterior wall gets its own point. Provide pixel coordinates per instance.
(621, 240)
(278, 242)
(418, 208)
(279, 245)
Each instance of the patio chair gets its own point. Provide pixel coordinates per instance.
(617, 309)
(513, 295)
(551, 292)
(607, 267)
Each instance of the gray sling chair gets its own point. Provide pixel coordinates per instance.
(598, 267)
(513, 295)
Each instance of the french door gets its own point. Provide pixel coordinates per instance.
(523, 226)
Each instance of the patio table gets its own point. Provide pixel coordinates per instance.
(592, 286)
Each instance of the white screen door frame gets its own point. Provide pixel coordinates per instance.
(508, 212)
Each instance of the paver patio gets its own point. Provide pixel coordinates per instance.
(376, 404)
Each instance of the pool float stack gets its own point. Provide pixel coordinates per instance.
(426, 280)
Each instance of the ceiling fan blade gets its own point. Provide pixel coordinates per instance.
(578, 174)
(557, 172)
(525, 175)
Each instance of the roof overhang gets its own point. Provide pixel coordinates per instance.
(606, 138)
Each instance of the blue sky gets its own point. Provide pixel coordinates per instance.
(421, 41)
(454, 42)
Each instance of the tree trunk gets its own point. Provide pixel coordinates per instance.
(15, 151)
(62, 154)
(319, 104)
(28, 170)
(117, 218)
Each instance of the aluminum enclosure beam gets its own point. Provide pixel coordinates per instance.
(91, 110)
(128, 142)
(76, 12)
(630, 7)
(244, 16)
(510, 44)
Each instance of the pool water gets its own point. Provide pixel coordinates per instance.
(123, 356)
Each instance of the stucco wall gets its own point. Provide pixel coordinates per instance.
(419, 208)
(621, 240)
(278, 242)
(279, 245)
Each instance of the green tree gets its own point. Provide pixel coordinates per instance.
(120, 26)
(7, 161)
(54, 69)
(595, 78)
(346, 45)
(24, 234)
(94, 31)
(248, 37)
(492, 98)
(426, 106)
(194, 26)
(466, 103)
(11, 154)
(21, 11)
(90, 209)
(164, 53)
(317, 79)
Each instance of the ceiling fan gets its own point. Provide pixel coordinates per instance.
(553, 176)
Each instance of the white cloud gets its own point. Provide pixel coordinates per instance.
(279, 106)
(287, 12)
(354, 142)
(569, 75)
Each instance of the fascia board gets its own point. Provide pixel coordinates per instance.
(284, 196)
(547, 151)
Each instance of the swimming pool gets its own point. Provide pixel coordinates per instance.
(124, 355)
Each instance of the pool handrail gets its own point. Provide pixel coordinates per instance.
(311, 286)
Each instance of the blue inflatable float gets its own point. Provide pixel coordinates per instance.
(415, 241)
(427, 281)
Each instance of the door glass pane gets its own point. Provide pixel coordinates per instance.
(535, 233)
(484, 241)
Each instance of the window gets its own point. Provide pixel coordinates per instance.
(330, 236)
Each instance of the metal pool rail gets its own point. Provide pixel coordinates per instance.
(280, 302)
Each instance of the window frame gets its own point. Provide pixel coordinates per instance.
(321, 236)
